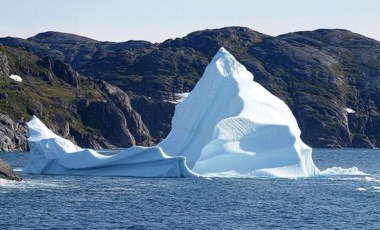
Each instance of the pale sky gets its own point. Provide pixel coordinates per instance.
(158, 20)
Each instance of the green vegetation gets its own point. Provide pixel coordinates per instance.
(36, 95)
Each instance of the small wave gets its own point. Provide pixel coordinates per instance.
(228, 174)
(339, 171)
(253, 175)
(8, 183)
(333, 171)
(369, 189)
(3, 182)
(31, 184)
(17, 169)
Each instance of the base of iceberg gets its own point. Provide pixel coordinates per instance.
(228, 124)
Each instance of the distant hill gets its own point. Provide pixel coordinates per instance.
(329, 78)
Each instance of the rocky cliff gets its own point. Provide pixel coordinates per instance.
(7, 172)
(90, 112)
(329, 78)
(12, 134)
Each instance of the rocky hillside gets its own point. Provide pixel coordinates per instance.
(329, 78)
(89, 112)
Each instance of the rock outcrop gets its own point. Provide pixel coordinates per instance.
(12, 134)
(7, 172)
(4, 65)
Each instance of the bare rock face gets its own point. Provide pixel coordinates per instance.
(12, 135)
(117, 121)
(4, 65)
(133, 121)
(62, 70)
(7, 172)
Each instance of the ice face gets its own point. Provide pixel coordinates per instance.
(228, 125)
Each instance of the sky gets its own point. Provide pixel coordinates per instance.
(158, 20)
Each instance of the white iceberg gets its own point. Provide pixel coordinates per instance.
(228, 125)
(15, 78)
(231, 124)
(51, 154)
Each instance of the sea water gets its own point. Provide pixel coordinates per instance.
(347, 196)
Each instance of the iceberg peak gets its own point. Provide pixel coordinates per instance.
(38, 130)
(225, 65)
(222, 52)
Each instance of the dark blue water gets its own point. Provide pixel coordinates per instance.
(326, 202)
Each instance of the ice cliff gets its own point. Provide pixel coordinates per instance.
(228, 125)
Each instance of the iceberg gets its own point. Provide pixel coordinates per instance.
(228, 125)
(52, 154)
(231, 124)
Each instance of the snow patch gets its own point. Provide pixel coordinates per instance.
(182, 96)
(15, 78)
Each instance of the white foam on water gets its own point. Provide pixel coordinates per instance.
(339, 171)
(30, 184)
(370, 189)
(229, 174)
(4, 182)
(333, 171)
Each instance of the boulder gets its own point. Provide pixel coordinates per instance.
(7, 172)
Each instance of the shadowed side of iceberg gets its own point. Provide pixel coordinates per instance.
(51, 154)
